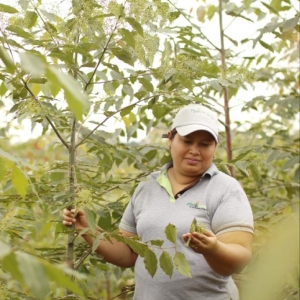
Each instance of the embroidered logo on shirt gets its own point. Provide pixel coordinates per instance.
(196, 205)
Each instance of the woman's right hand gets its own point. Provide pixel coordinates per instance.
(79, 220)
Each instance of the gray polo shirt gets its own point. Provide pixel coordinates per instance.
(217, 200)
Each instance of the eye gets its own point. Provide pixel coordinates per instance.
(187, 142)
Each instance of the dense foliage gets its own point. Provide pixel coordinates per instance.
(102, 80)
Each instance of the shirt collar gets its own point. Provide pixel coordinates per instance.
(211, 171)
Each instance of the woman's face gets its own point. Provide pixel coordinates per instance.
(192, 154)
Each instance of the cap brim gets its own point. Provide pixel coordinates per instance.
(185, 130)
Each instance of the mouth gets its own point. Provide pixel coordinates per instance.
(192, 160)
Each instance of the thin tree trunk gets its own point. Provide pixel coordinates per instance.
(225, 92)
(72, 182)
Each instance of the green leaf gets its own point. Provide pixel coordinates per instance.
(297, 176)
(127, 90)
(135, 25)
(211, 11)
(2, 169)
(159, 111)
(140, 94)
(8, 156)
(19, 181)
(123, 55)
(97, 241)
(231, 40)
(158, 243)
(166, 263)
(151, 154)
(242, 166)
(4, 249)
(33, 275)
(90, 217)
(146, 84)
(171, 233)
(247, 3)
(37, 80)
(267, 46)
(3, 88)
(290, 24)
(8, 9)
(17, 30)
(128, 37)
(105, 221)
(215, 84)
(193, 225)
(62, 56)
(55, 274)
(174, 15)
(240, 156)
(76, 99)
(224, 168)
(125, 111)
(276, 4)
(150, 261)
(254, 172)
(10, 264)
(182, 264)
(272, 9)
(32, 63)
(134, 244)
(50, 28)
(30, 19)
(10, 66)
(186, 82)
(291, 163)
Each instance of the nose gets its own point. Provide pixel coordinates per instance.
(194, 150)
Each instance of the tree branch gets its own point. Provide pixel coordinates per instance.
(193, 25)
(47, 118)
(225, 90)
(102, 54)
(101, 123)
(82, 259)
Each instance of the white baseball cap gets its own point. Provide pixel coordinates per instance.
(194, 117)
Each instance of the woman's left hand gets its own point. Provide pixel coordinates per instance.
(202, 243)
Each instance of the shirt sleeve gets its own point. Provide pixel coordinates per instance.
(128, 222)
(233, 212)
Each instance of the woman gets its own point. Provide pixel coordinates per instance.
(189, 187)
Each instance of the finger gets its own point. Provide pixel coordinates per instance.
(67, 223)
(193, 246)
(68, 212)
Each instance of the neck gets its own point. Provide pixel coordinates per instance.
(182, 179)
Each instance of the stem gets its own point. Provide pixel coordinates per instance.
(47, 118)
(35, 98)
(72, 177)
(117, 111)
(72, 181)
(82, 258)
(193, 25)
(225, 91)
(101, 56)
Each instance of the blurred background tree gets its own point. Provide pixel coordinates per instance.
(98, 82)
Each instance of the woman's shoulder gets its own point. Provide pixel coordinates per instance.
(222, 179)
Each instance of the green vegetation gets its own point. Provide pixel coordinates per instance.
(102, 80)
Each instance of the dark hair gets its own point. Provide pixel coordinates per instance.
(173, 132)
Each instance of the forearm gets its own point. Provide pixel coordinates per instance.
(226, 259)
(114, 252)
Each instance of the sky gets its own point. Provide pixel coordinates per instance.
(239, 29)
